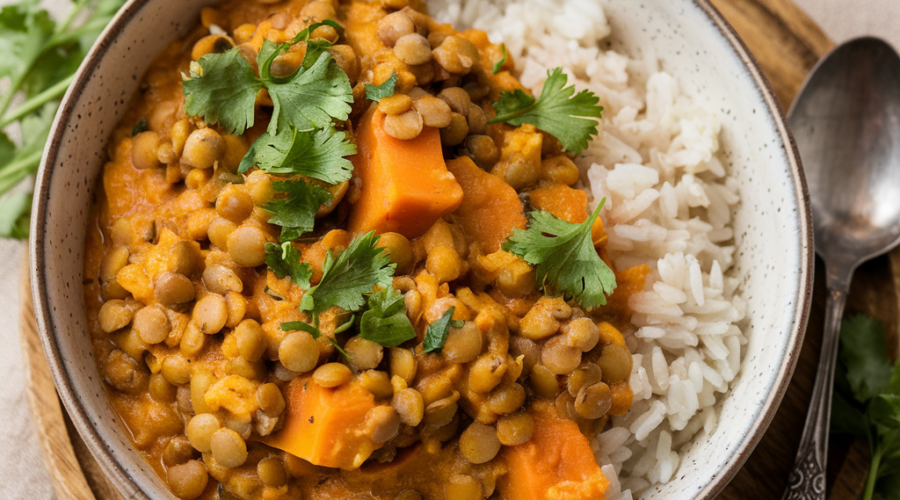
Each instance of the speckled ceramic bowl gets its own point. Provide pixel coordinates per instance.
(773, 227)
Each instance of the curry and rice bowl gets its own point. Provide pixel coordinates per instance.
(384, 249)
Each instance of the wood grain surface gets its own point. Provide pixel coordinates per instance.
(787, 45)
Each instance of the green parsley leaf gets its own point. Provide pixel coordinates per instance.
(296, 213)
(24, 32)
(846, 418)
(225, 92)
(385, 322)
(570, 118)
(314, 48)
(864, 355)
(352, 275)
(284, 260)
(499, 64)
(379, 92)
(885, 410)
(567, 262)
(319, 154)
(436, 335)
(310, 98)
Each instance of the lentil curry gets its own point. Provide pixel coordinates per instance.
(330, 294)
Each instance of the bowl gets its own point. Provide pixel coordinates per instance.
(774, 261)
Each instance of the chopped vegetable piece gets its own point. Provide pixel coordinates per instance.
(556, 464)
(566, 260)
(284, 260)
(347, 279)
(385, 322)
(296, 214)
(561, 201)
(570, 118)
(499, 64)
(490, 209)
(324, 426)
(436, 335)
(405, 185)
(318, 154)
(379, 92)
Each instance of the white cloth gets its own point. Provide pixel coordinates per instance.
(846, 19)
(22, 472)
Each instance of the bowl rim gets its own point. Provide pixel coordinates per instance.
(118, 473)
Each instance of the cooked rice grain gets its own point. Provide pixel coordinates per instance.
(669, 205)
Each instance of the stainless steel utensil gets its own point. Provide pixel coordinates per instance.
(846, 121)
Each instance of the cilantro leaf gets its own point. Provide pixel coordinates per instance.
(24, 32)
(567, 262)
(310, 98)
(225, 92)
(385, 322)
(296, 214)
(846, 418)
(349, 277)
(436, 335)
(379, 92)
(864, 355)
(291, 326)
(499, 64)
(319, 154)
(284, 260)
(570, 118)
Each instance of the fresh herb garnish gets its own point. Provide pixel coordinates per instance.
(318, 154)
(224, 92)
(570, 118)
(866, 401)
(284, 260)
(296, 213)
(379, 92)
(39, 61)
(385, 322)
(347, 279)
(499, 64)
(308, 99)
(436, 335)
(567, 262)
(140, 127)
(291, 326)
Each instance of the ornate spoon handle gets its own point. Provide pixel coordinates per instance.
(807, 480)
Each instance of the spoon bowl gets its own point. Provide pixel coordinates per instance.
(846, 122)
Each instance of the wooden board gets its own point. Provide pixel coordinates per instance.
(787, 45)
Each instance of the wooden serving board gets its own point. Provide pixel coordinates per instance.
(787, 45)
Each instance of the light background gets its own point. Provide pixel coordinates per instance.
(22, 473)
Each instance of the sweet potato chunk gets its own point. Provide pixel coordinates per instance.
(564, 202)
(325, 426)
(405, 183)
(490, 208)
(557, 464)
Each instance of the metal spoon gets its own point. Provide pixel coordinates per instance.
(846, 121)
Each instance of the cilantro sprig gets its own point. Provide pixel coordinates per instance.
(347, 279)
(379, 92)
(571, 118)
(866, 401)
(386, 322)
(319, 154)
(225, 89)
(284, 260)
(39, 60)
(296, 213)
(566, 262)
(499, 64)
(437, 332)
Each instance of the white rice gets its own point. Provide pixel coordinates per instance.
(669, 205)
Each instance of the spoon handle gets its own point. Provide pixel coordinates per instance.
(807, 480)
